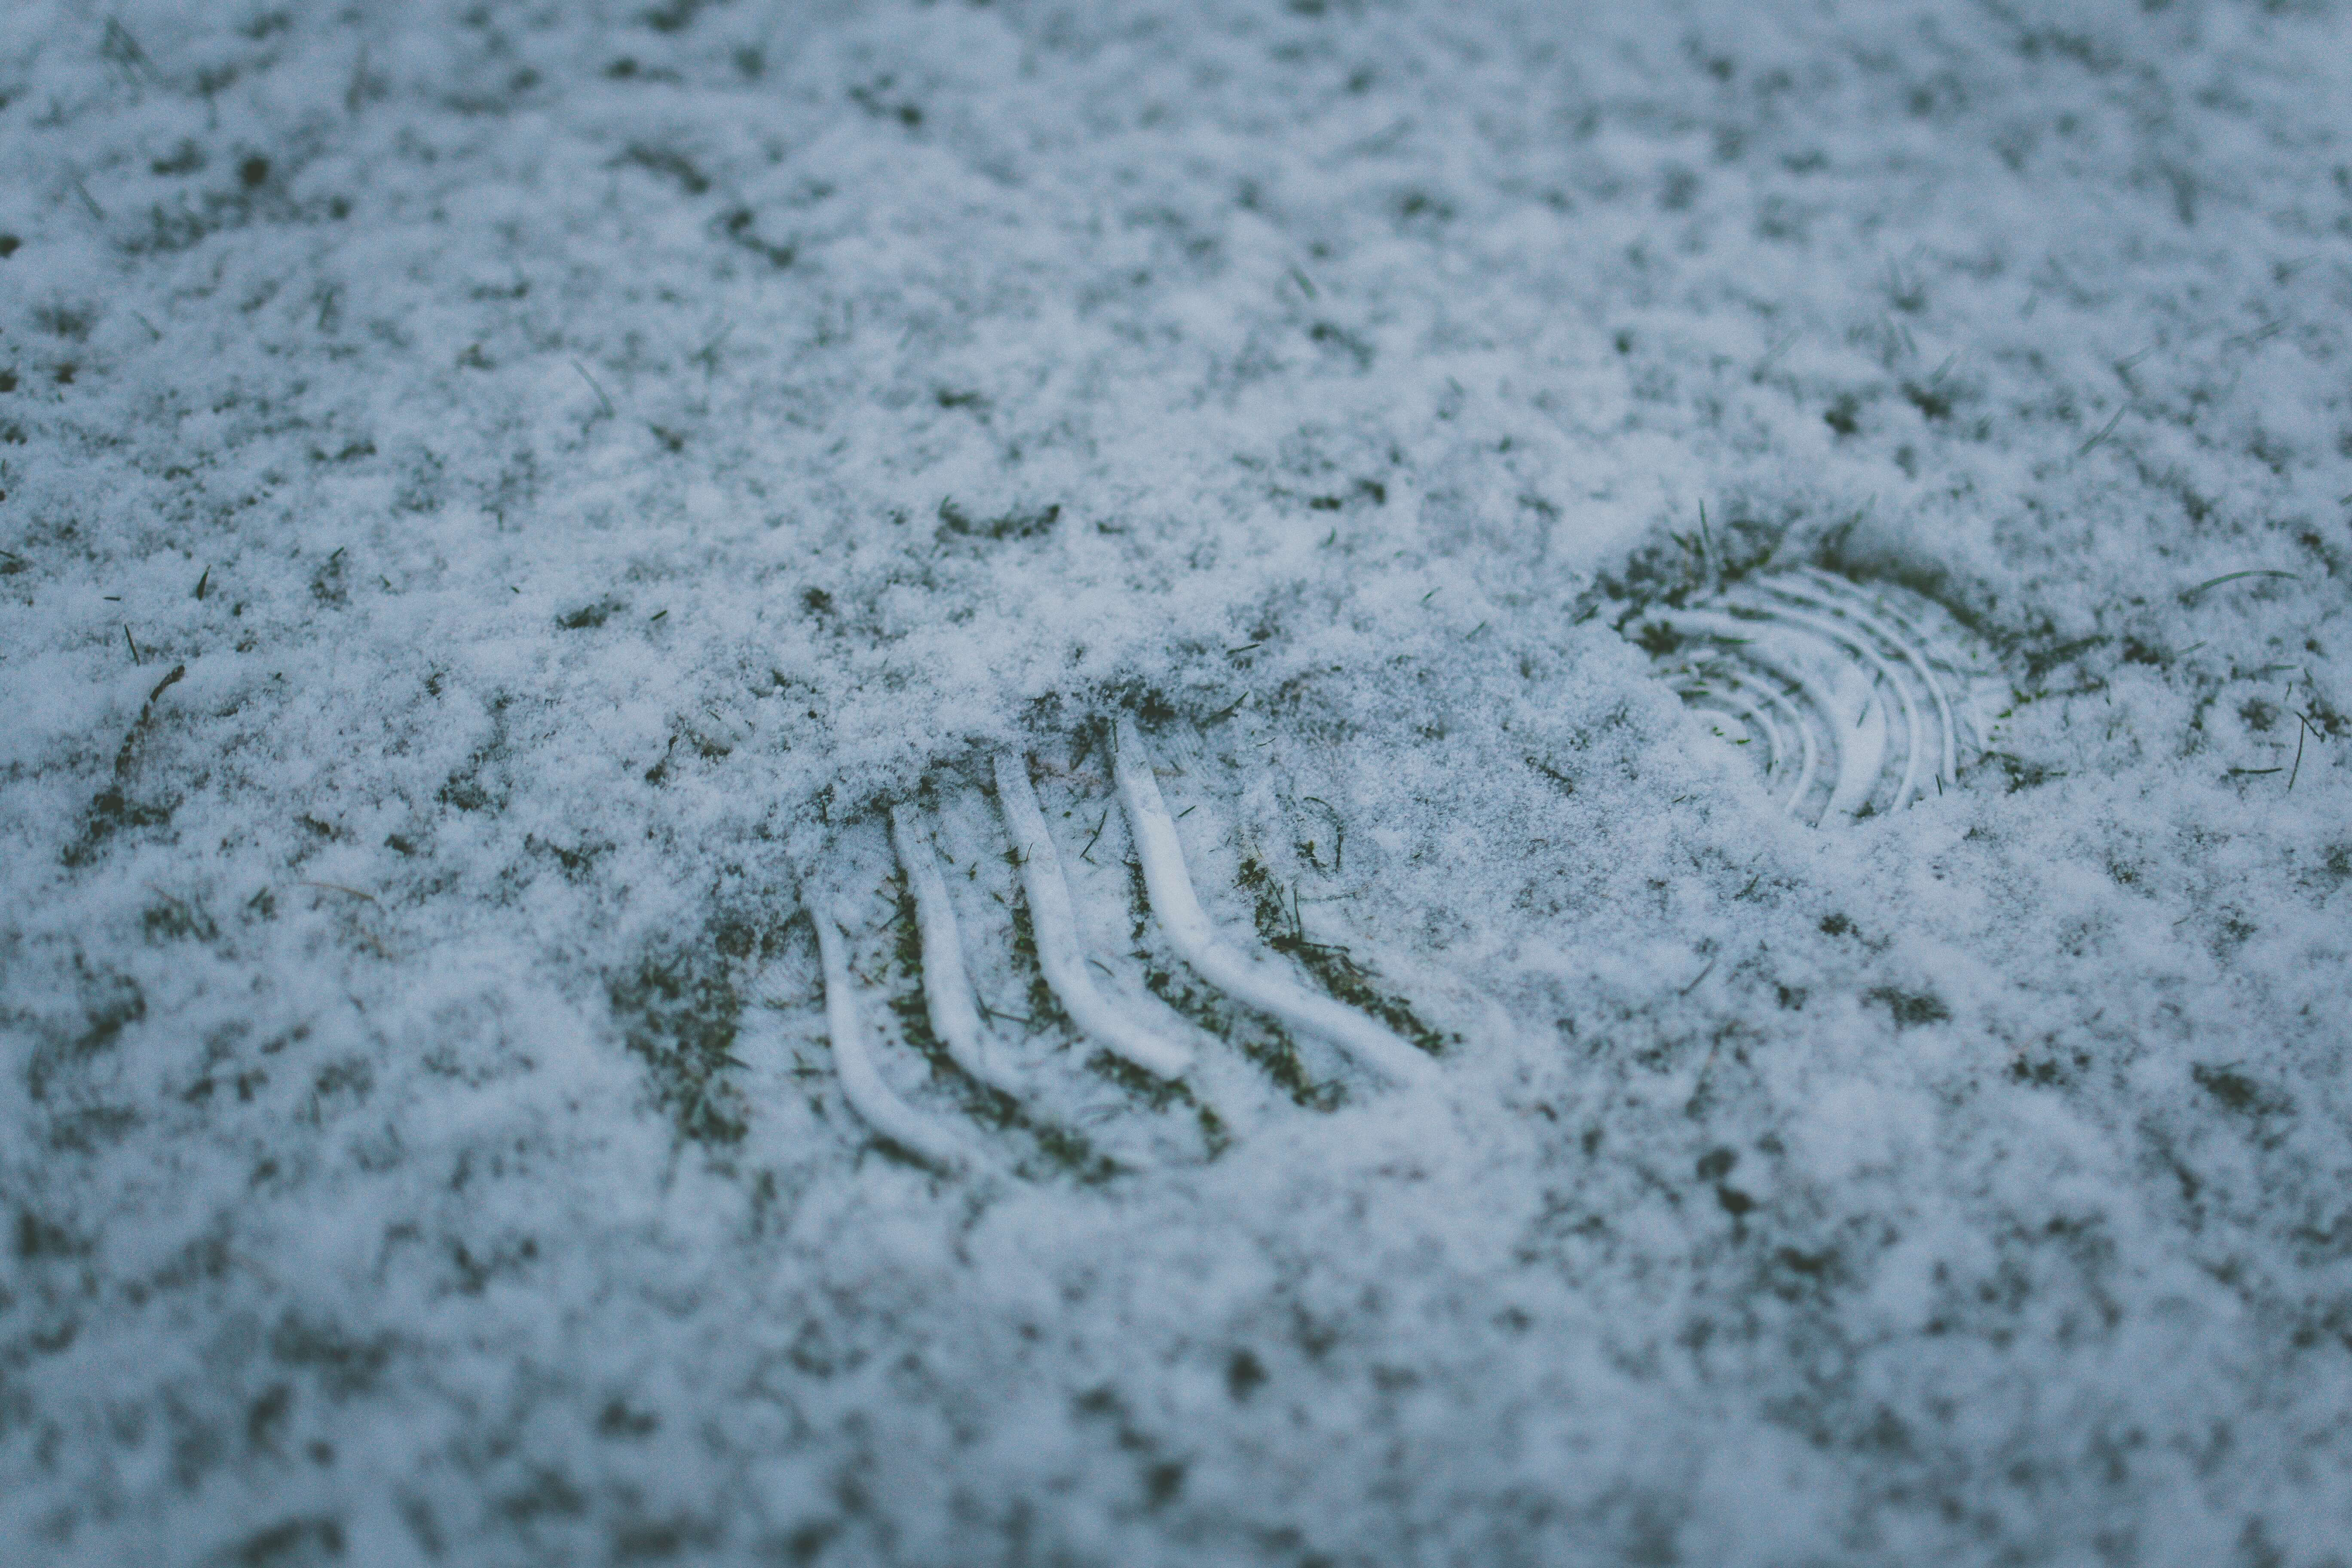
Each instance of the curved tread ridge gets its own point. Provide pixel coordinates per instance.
(946, 985)
(1196, 937)
(1059, 952)
(874, 1101)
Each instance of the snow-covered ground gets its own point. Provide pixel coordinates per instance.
(500, 499)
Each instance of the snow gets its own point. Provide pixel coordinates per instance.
(501, 500)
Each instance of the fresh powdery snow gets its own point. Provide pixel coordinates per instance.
(1315, 783)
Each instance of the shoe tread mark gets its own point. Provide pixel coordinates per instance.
(1863, 699)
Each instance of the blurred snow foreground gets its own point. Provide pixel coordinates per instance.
(1305, 783)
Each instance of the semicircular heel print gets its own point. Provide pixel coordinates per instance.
(1855, 698)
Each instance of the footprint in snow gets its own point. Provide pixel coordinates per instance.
(1857, 699)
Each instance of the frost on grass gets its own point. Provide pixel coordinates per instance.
(679, 1011)
(496, 501)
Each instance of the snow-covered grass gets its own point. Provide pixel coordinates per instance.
(501, 502)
